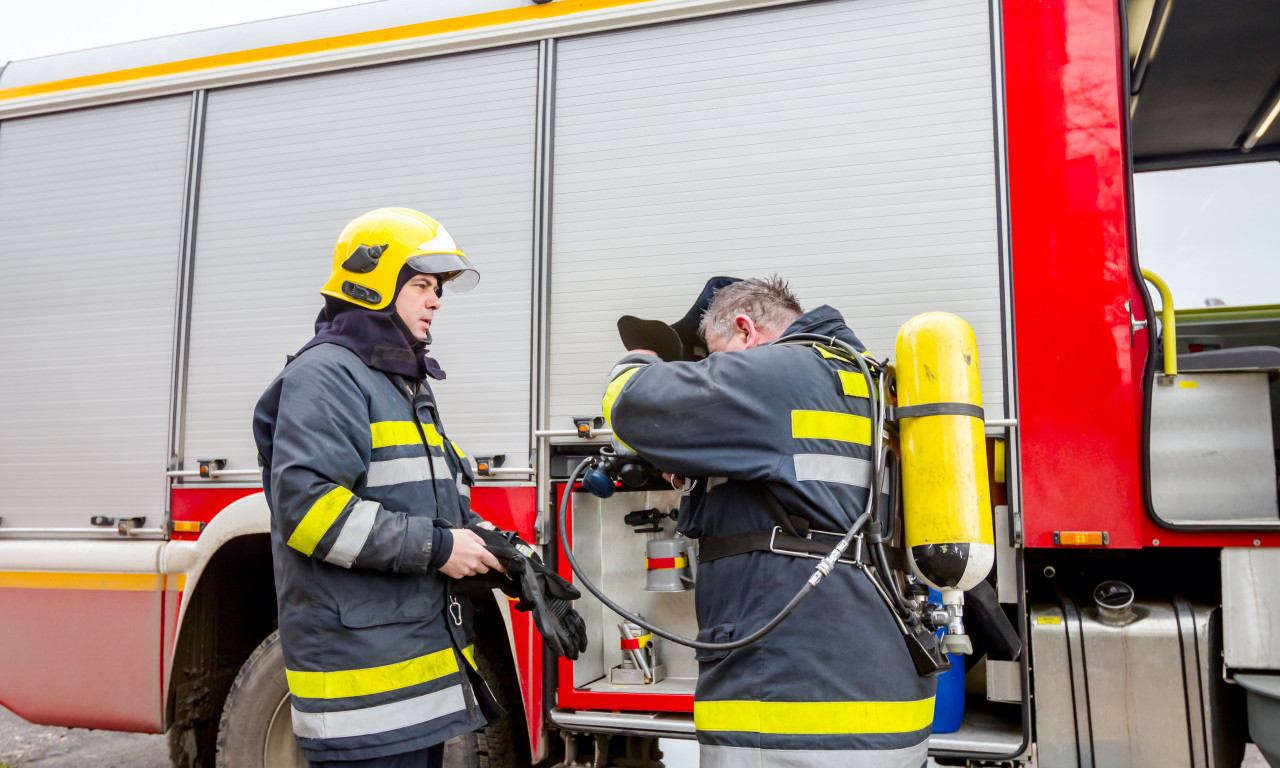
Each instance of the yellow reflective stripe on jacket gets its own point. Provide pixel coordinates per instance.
(831, 425)
(388, 433)
(813, 717)
(470, 653)
(363, 682)
(433, 437)
(855, 385)
(614, 389)
(318, 519)
(457, 450)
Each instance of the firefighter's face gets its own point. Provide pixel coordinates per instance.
(416, 304)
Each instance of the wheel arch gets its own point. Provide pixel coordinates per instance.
(228, 608)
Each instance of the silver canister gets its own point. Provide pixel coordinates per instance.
(640, 664)
(667, 565)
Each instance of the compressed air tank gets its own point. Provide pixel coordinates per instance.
(946, 496)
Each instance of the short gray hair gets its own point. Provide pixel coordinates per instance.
(769, 303)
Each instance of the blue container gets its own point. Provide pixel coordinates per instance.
(948, 707)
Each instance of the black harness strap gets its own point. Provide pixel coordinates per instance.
(939, 409)
(791, 536)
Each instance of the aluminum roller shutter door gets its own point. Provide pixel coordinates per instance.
(848, 146)
(90, 225)
(288, 164)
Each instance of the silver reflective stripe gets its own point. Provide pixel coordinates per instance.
(833, 469)
(394, 471)
(621, 368)
(464, 490)
(712, 756)
(379, 719)
(441, 467)
(354, 534)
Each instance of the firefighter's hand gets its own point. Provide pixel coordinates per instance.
(469, 556)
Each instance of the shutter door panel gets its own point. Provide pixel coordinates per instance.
(847, 146)
(90, 222)
(288, 164)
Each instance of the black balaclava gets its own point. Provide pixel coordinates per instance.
(378, 336)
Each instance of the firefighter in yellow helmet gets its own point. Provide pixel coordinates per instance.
(372, 532)
(371, 252)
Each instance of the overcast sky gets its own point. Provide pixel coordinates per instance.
(30, 28)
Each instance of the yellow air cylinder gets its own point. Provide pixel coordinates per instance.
(946, 496)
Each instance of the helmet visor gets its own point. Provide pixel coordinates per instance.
(454, 269)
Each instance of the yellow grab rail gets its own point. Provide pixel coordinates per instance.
(1166, 319)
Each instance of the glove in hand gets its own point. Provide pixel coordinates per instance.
(540, 591)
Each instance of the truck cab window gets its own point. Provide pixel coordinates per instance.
(1211, 233)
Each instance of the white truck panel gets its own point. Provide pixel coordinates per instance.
(286, 164)
(90, 224)
(849, 147)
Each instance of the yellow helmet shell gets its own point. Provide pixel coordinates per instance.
(374, 247)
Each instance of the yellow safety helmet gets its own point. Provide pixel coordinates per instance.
(374, 247)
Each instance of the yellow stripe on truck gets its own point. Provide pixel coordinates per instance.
(286, 50)
(813, 717)
(119, 582)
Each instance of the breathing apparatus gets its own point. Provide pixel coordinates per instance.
(917, 620)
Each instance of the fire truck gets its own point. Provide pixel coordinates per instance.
(167, 214)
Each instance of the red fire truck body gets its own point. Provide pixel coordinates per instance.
(141, 619)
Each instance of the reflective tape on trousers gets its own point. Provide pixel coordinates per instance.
(717, 756)
(813, 717)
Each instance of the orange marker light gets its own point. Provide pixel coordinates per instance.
(1081, 538)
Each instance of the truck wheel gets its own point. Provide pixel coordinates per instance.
(256, 730)
(503, 743)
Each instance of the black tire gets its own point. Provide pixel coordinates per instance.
(503, 743)
(256, 730)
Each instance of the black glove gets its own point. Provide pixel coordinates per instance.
(540, 590)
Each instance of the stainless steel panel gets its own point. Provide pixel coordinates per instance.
(1212, 452)
(1251, 608)
(1004, 681)
(667, 724)
(1264, 713)
(1141, 692)
(1006, 558)
(613, 555)
(91, 229)
(1055, 717)
(288, 163)
(848, 146)
(983, 732)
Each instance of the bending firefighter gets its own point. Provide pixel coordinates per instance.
(372, 533)
(778, 437)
